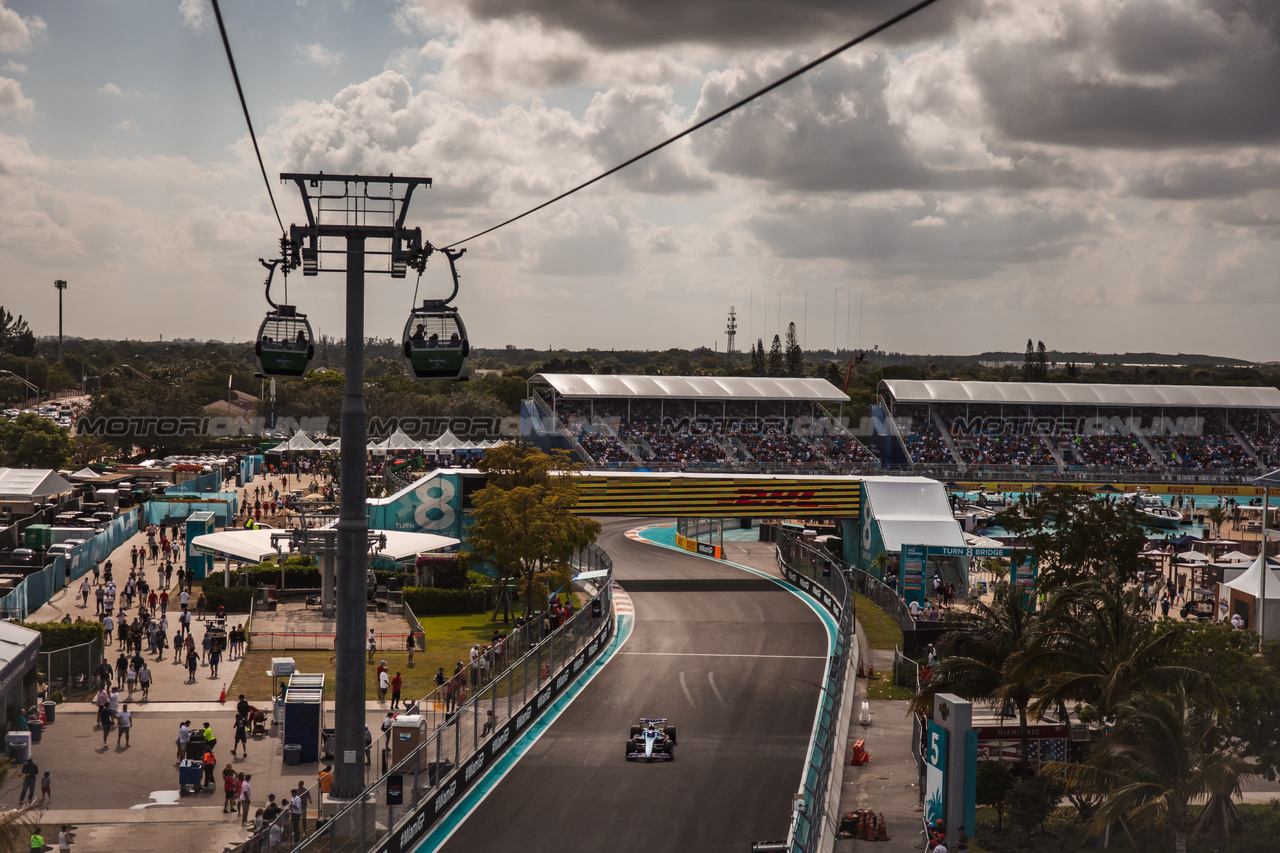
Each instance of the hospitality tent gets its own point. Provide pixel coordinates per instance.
(397, 441)
(299, 442)
(31, 484)
(254, 546)
(1244, 596)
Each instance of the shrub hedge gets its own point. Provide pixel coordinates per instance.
(429, 601)
(58, 635)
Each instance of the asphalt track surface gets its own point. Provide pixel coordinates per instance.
(735, 661)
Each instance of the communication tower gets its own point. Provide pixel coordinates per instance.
(731, 330)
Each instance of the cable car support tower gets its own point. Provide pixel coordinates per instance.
(360, 211)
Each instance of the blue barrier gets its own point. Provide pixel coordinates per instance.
(37, 588)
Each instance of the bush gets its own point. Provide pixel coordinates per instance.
(429, 601)
(235, 598)
(58, 635)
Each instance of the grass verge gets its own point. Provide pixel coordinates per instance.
(882, 632)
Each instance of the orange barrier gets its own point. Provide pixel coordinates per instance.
(860, 755)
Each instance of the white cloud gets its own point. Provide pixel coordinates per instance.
(316, 54)
(18, 33)
(129, 126)
(13, 102)
(110, 89)
(15, 67)
(195, 14)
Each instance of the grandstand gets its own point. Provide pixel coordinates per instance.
(1080, 431)
(696, 423)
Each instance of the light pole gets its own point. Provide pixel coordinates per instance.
(61, 285)
(345, 207)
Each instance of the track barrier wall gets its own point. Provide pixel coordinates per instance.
(468, 741)
(825, 578)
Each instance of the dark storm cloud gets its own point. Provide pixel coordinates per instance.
(1153, 75)
(974, 242)
(832, 131)
(641, 23)
(1202, 179)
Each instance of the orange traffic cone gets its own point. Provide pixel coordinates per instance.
(871, 670)
(882, 831)
(223, 697)
(862, 670)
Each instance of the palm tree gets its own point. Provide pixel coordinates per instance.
(1162, 754)
(1216, 516)
(975, 664)
(1096, 643)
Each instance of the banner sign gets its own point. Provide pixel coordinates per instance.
(460, 779)
(692, 496)
(912, 571)
(935, 774)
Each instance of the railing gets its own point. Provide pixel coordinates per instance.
(906, 672)
(822, 575)
(884, 597)
(446, 761)
(71, 669)
(1051, 474)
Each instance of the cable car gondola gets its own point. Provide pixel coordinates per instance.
(285, 343)
(435, 338)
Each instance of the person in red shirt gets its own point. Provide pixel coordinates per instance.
(395, 689)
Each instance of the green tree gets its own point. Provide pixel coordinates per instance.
(976, 663)
(994, 782)
(794, 355)
(758, 365)
(16, 337)
(1029, 363)
(146, 404)
(1097, 643)
(1216, 515)
(523, 521)
(1163, 752)
(1042, 362)
(1071, 535)
(30, 441)
(777, 365)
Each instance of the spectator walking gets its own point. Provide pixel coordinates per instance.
(244, 798)
(241, 736)
(396, 684)
(214, 657)
(144, 678)
(193, 663)
(124, 720)
(46, 788)
(30, 772)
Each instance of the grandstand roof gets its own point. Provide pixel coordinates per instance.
(692, 387)
(1072, 394)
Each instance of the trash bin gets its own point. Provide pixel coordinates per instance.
(293, 753)
(17, 746)
(35, 727)
(49, 712)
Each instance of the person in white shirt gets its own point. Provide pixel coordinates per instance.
(184, 735)
(124, 722)
(65, 837)
(84, 592)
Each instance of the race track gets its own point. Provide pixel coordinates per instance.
(734, 660)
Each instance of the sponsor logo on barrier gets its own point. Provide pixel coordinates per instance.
(542, 698)
(708, 550)
(410, 833)
(578, 662)
(475, 765)
(522, 719)
(591, 649)
(561, 680)
(446, 796)
(499, 741)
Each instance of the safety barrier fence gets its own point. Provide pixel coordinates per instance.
(38, 587)
(906, 672)
(1051, 474)
(885, 597)
(404, 803)
(822, 575)
(71, 669)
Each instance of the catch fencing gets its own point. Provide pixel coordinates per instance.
(463, 743)
(823, 576)
(71, 669)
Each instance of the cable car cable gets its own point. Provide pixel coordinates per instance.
(235, 75)
(874, 31)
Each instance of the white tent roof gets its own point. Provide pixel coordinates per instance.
(28, 483)
(1250, 582)
(692, 387)
(85, 473)
(299, 441)
(1065, 393)
(398, 441)
(912, 511)
(253, 546)
(446, 441)
(1234, 557)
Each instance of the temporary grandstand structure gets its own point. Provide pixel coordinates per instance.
(1073, 394)
(1244, 596)
(708, 391)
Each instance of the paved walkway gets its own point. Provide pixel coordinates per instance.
(169, 679)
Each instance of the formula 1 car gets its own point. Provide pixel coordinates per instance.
(652, 740)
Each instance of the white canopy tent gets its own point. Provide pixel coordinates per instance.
(254, 546)
(1244, 596)
(29, 484)
(298, 442)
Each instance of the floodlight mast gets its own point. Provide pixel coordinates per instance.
(341, 206)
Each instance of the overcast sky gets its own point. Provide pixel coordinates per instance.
(1099, 174)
